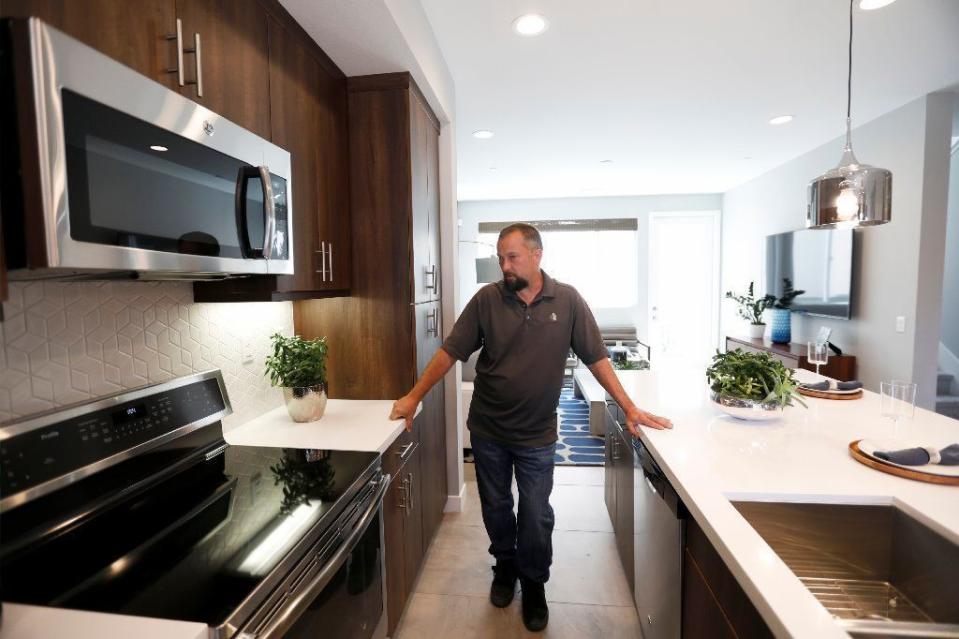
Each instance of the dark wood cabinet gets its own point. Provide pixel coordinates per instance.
(133, 33)
(841, 367)
(232, 62)
(383, 335)
(714, 604)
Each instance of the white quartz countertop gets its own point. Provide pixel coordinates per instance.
(347, 424)
(711, 458)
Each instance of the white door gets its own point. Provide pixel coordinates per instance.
(683, 288)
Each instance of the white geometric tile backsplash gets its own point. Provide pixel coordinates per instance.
(64, 342)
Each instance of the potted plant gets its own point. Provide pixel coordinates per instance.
(299, 366)
(751, 385)
(751, 308)
(782, 312)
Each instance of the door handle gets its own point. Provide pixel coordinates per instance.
(431, 278)
(409, 491)
(322, 253)
(329, 254)
(178, 36)
(269, 208)
(198, 64)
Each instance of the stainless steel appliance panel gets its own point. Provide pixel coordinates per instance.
(658, 534)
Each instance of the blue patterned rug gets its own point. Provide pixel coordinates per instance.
(576, 447)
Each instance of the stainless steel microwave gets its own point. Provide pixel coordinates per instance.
(107, 173)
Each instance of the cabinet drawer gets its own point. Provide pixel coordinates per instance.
(398, 452)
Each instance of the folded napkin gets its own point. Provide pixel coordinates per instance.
(948, 456)
(831, 384)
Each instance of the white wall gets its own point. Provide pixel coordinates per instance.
(471, 213)
(899, 264)
(950, 279)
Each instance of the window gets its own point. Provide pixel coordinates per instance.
(597, 257)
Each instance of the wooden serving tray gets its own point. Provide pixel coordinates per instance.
(898, 471)
(821, 395)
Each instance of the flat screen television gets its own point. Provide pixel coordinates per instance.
(818, 262)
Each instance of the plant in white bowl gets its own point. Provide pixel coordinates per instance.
(751, 308)
(299, 366)
(751, 385)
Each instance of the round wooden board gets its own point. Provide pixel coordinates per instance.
(898, 471)
(814, 393)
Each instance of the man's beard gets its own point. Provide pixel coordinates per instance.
(515, 283)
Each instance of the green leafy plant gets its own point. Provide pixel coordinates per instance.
(297, 362)
(750, 308)
(630, 365)
(752, 376)
(786, 299)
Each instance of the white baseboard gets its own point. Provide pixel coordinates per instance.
(948, 362)
(454, 503)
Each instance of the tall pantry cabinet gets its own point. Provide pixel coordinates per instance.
(382, 336)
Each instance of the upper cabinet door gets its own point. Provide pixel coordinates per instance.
(424, 279)
(333, 158)
(232, 64)
(132, 33)
(295, 77)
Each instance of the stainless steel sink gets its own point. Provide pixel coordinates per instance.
(878, 571)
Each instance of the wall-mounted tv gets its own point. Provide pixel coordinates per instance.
(818, 262)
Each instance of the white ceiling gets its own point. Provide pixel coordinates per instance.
(677, 93)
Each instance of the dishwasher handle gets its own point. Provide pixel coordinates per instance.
(657, 482)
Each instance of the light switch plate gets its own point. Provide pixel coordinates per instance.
(900, 324)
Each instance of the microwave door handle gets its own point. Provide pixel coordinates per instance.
(279, 622)
(269, 206)
(242, 229)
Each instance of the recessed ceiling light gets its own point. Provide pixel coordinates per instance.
(869, 5)
(605, 161)
(781, 119)
(482, 134)
(492, 168)
(531, 24)
(157, 147)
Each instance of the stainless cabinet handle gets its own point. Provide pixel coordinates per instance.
(404, 495)
(178, 36)
(409, 490)
(431, 278)
(432, 324)
(269, 233)
(329, 254)
(322, 253)
(195, 49)
(403, 454)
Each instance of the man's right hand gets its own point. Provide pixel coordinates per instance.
(405, 408)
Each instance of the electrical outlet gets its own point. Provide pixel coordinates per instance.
(247, 354)
(901, 324)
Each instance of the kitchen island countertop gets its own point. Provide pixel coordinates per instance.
(711, 458)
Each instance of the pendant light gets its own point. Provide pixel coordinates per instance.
(851, 194)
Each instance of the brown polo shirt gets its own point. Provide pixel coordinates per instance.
(519, 374)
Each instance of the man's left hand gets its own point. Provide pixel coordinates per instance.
(636, 418)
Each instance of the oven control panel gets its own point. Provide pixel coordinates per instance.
(76, 441)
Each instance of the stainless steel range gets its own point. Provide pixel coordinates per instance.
(135, 504)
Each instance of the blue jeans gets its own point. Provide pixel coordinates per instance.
(528, 538)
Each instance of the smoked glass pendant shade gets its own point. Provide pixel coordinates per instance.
(850, 195)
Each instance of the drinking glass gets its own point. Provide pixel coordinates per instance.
(817, 353)
(897, 401)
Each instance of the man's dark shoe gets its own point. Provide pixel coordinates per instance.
(535, 611)
(504, 583)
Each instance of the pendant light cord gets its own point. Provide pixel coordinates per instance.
(849, 76)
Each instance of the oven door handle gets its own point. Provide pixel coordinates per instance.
(284, 618)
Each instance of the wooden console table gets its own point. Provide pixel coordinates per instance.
(841, 367)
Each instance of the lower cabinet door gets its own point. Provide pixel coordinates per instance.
(394, 517)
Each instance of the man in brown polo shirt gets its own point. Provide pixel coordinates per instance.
(525, 325)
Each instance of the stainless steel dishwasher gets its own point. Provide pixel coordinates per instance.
(659, 530)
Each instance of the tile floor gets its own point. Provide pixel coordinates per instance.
(587, 592)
